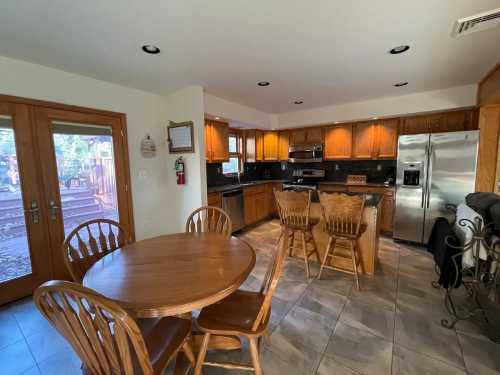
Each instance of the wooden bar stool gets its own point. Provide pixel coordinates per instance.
(294, 212)
(342, 214)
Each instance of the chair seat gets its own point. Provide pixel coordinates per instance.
(233, 315)
(163, 337)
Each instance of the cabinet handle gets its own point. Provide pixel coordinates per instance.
(34, 211)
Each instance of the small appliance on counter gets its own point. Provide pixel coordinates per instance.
(356, 179)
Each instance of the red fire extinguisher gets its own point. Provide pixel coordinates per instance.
(180, 171)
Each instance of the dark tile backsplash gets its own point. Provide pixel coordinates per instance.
(375, 170)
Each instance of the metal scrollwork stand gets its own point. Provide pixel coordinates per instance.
(479, 280)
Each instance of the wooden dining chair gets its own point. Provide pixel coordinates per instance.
(89, 242)
(243, 314)
(209, 219)
(105, 337)
(294, 209)
(342, 214)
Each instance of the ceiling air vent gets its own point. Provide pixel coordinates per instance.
(479, 22)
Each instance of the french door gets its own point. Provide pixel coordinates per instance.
(59, 166)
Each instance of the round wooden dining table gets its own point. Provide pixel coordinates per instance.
(172, 274)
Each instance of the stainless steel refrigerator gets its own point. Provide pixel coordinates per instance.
(433, 170)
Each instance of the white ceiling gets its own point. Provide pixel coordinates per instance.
(322, 52)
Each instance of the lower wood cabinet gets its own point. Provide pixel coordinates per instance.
(259, 202)
(214, 199)
(387, 212)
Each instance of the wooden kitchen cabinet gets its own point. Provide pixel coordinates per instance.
(387, 212)
(306, 136)
(414, 125)
(338, 142)
(450, 121)
(363, 140)
(386, 140)
(259, 145)
(250, 150)
(283, 144)
(271, 146)
(216, 141)
(214, 199)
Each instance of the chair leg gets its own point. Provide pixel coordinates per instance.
(202, 354)
(254, 352)
(331, 241)
(314, 247)
(304, 249)
(291, 243)
(188, 350)
(354, 265)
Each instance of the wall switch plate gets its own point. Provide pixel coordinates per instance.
(337, 167)
(379, 167)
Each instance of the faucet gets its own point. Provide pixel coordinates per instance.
(239, 179)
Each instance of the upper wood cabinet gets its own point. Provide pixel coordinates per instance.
(440, 122)
(338, 142)
(271, 146)
(283, 144)
(386, 139)
(250, 151)
(306, 135)
(259, 145)
(363, 140)
(216, 141)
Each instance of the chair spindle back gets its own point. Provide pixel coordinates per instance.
(209, 219)
(342, 213)
(104, 336)
(293, 207)
(89, 242)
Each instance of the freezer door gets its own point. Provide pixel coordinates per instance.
(452, 173)
(411, 180)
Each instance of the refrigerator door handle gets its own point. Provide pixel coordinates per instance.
(424, 185)
(429, 176)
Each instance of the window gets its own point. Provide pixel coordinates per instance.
(233, 166)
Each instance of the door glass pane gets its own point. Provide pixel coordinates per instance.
(14, 249)
(86, 173)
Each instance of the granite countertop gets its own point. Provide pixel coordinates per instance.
(369, 184)
(217, 189)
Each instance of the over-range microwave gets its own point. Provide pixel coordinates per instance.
(305, 153)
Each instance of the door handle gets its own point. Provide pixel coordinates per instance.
(53, 210)
(34, 211)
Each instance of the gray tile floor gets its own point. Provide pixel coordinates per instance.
(318, 327)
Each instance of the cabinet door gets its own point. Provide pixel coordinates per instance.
(261, 206)
(298, 136)
(259, 145)
(314, 135)
(387, 212)
(414, 125)
(220, 141)
(271, 146)
(284, 140)
(214, 199)
(250, 209)
(387, 139)
(250, 156)
(338, 142)
(454, 121)
(208, 141)
(363, 139)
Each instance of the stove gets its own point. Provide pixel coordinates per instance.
(305, 179)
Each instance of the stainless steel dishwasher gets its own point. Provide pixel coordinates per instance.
(232, 203)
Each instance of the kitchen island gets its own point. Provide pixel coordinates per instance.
(368, 242)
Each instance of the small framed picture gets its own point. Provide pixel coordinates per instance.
(180, 137)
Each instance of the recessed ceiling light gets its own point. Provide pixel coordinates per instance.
(400, 84)
(374, 118)
(263, 83)
(149, 48)
(399, 49)
(298, 102)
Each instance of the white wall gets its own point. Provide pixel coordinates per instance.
(187, 105)
(159, 205)
(455, 97)
(233, 111)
